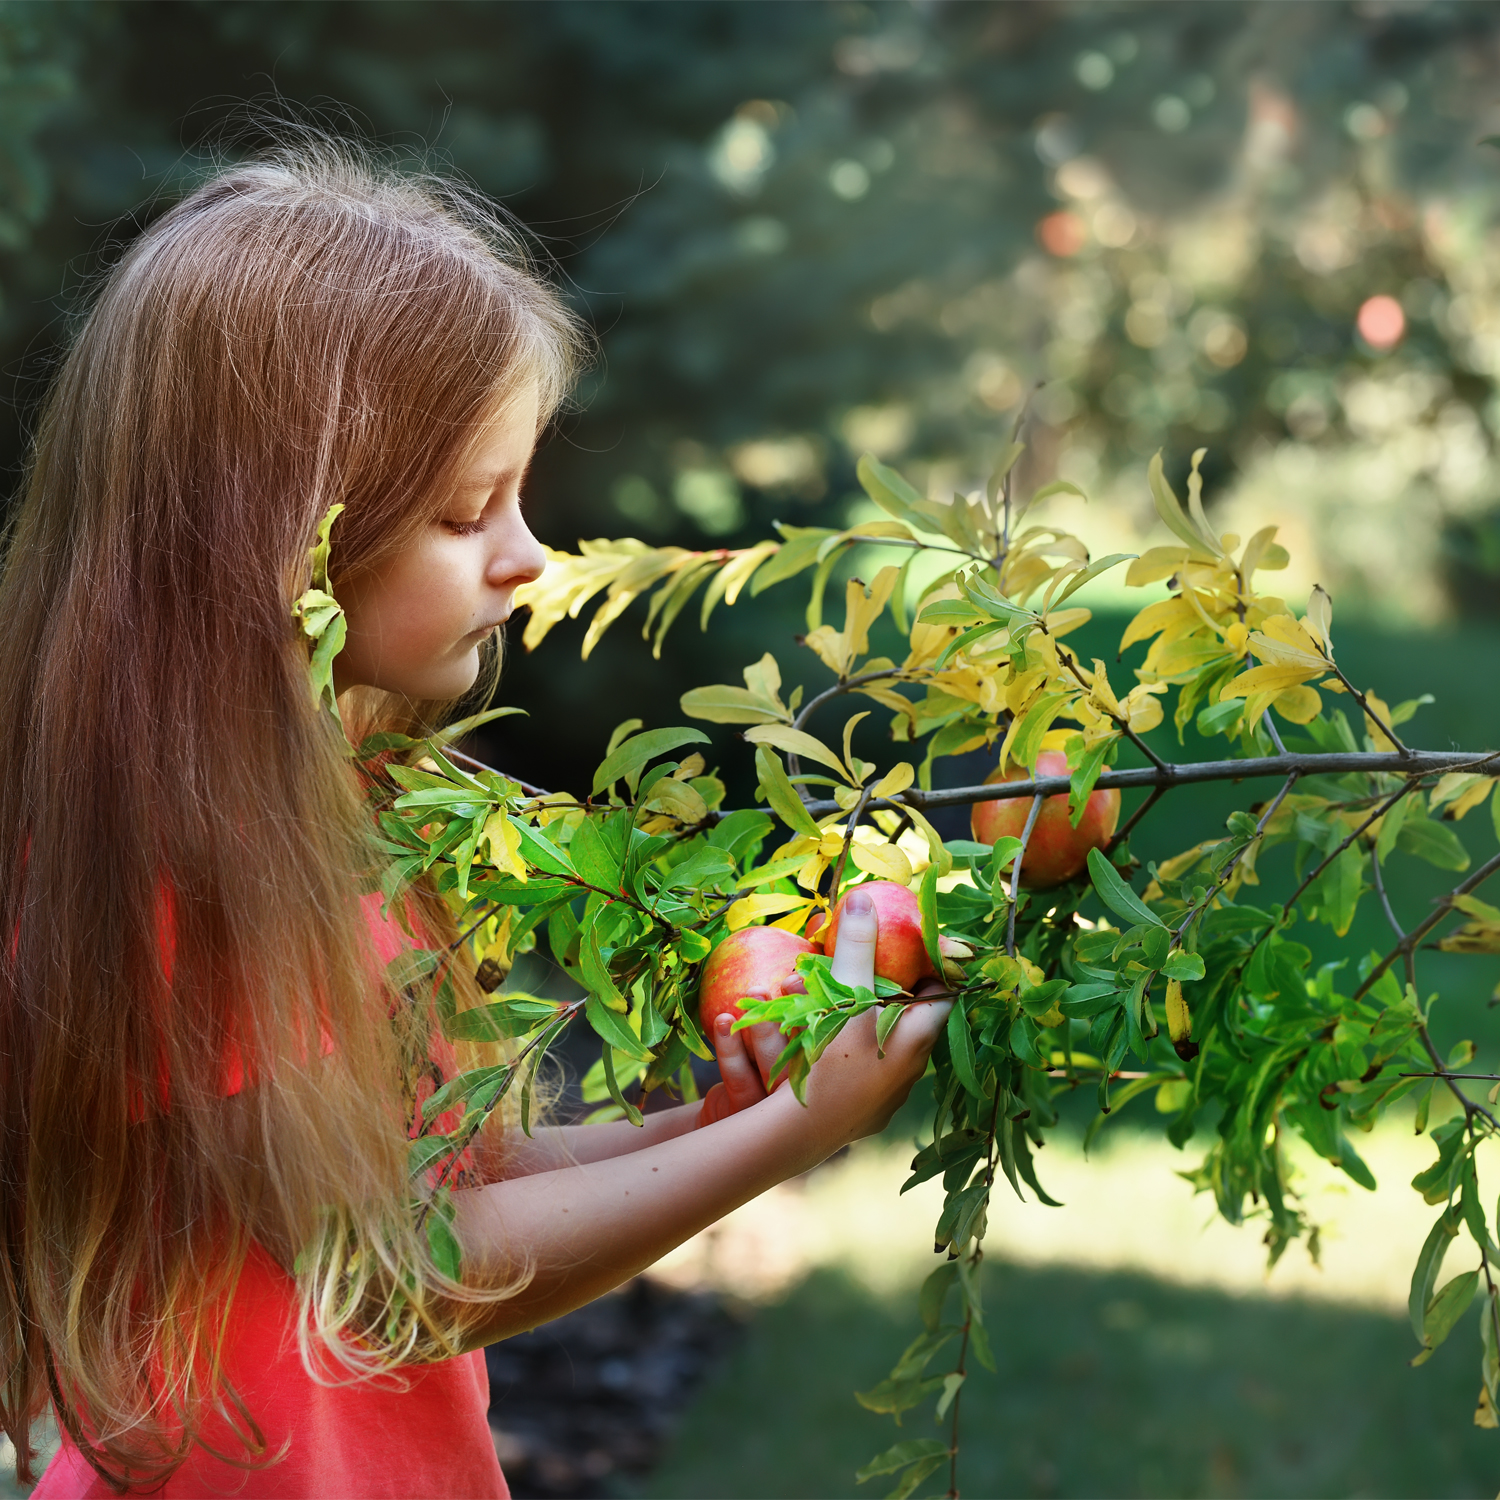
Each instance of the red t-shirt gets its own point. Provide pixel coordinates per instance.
(423, 1432)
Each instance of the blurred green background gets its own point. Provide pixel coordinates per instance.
(803, 231)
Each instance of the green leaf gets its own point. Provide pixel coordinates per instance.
(613, 1084)
(927, 904)
(627, 762)
(596, 975)
(1183, 966)
(961, 1046)
(1082, 782)
(778, 790)
(1429, 1263)
(469, 1086)
(914, 1476)
(1390, 829)
(1088, 574)
(892, 1397)
(456, 731)
(1444, 1311)
(902, 1455)
(1116, 894)
(885, 1023)
(612, 1028)
(1432, 841)
(893, 494)
(934, 1293)
(443, 1246)
(593, 857)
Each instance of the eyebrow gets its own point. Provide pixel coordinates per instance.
(489, 480)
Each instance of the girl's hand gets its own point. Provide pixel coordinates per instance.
(747, 1057)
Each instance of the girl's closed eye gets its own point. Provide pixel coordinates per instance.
(467, 528)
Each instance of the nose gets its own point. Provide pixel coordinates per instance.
(519, 560)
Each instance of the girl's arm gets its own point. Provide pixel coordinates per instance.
(583, 1229)
(744, 1058)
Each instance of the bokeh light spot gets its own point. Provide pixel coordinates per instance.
(1094, 70)
(1381, 322)
(1061, 233)
(849, 179)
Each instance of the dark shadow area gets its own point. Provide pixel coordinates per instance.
(595, 1396)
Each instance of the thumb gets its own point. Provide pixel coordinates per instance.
(854, 950)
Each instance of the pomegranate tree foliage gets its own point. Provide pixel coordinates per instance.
(1185, 979)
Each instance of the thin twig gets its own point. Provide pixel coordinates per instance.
(1071, 663)
(1157, 793)
(1015, 878)
(479, 765)
(843, 685)
(1270, 728)
(554, 1026)
(838, 869)
(1405, 948)
(1369, 712)
(1409, 941)
(1409, 786)
(1231, 865)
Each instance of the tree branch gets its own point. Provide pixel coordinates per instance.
(1414, 763)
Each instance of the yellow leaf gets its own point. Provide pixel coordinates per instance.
(1281, 641)
(850, 763)
(828, 643)
(795, 742)
(1061, 621)
(750, 909)
(1179, 1017)
(1378, 737)
(1463, 789)
(1319, 618)
(895, 781)
(1299, 705)
(1142, 707)
(678, 800)
(795, 921)
(884, 861)
(863, 604)
(504, 840)
(1180, 864)
(1270, 679)
(1103, 693)
(1154, 564)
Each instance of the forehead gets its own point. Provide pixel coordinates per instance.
(504, 440)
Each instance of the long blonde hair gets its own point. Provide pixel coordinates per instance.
(310, 327)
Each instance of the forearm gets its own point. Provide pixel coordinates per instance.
(550, 1148)
(584, 1229)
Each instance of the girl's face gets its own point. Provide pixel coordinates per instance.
(416, 622)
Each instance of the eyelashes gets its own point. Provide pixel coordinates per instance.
(466, 528)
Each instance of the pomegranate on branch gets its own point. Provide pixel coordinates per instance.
(1057, 849)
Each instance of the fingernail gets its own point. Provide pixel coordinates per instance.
(859, 902)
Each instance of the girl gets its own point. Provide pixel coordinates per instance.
(203, 1107)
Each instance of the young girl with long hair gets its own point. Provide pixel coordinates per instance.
(204, 1104)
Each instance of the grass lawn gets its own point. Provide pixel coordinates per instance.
(1109, 1384)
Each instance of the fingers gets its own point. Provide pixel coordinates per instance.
(854, 952)
(738, 1068)
(921, 1024)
